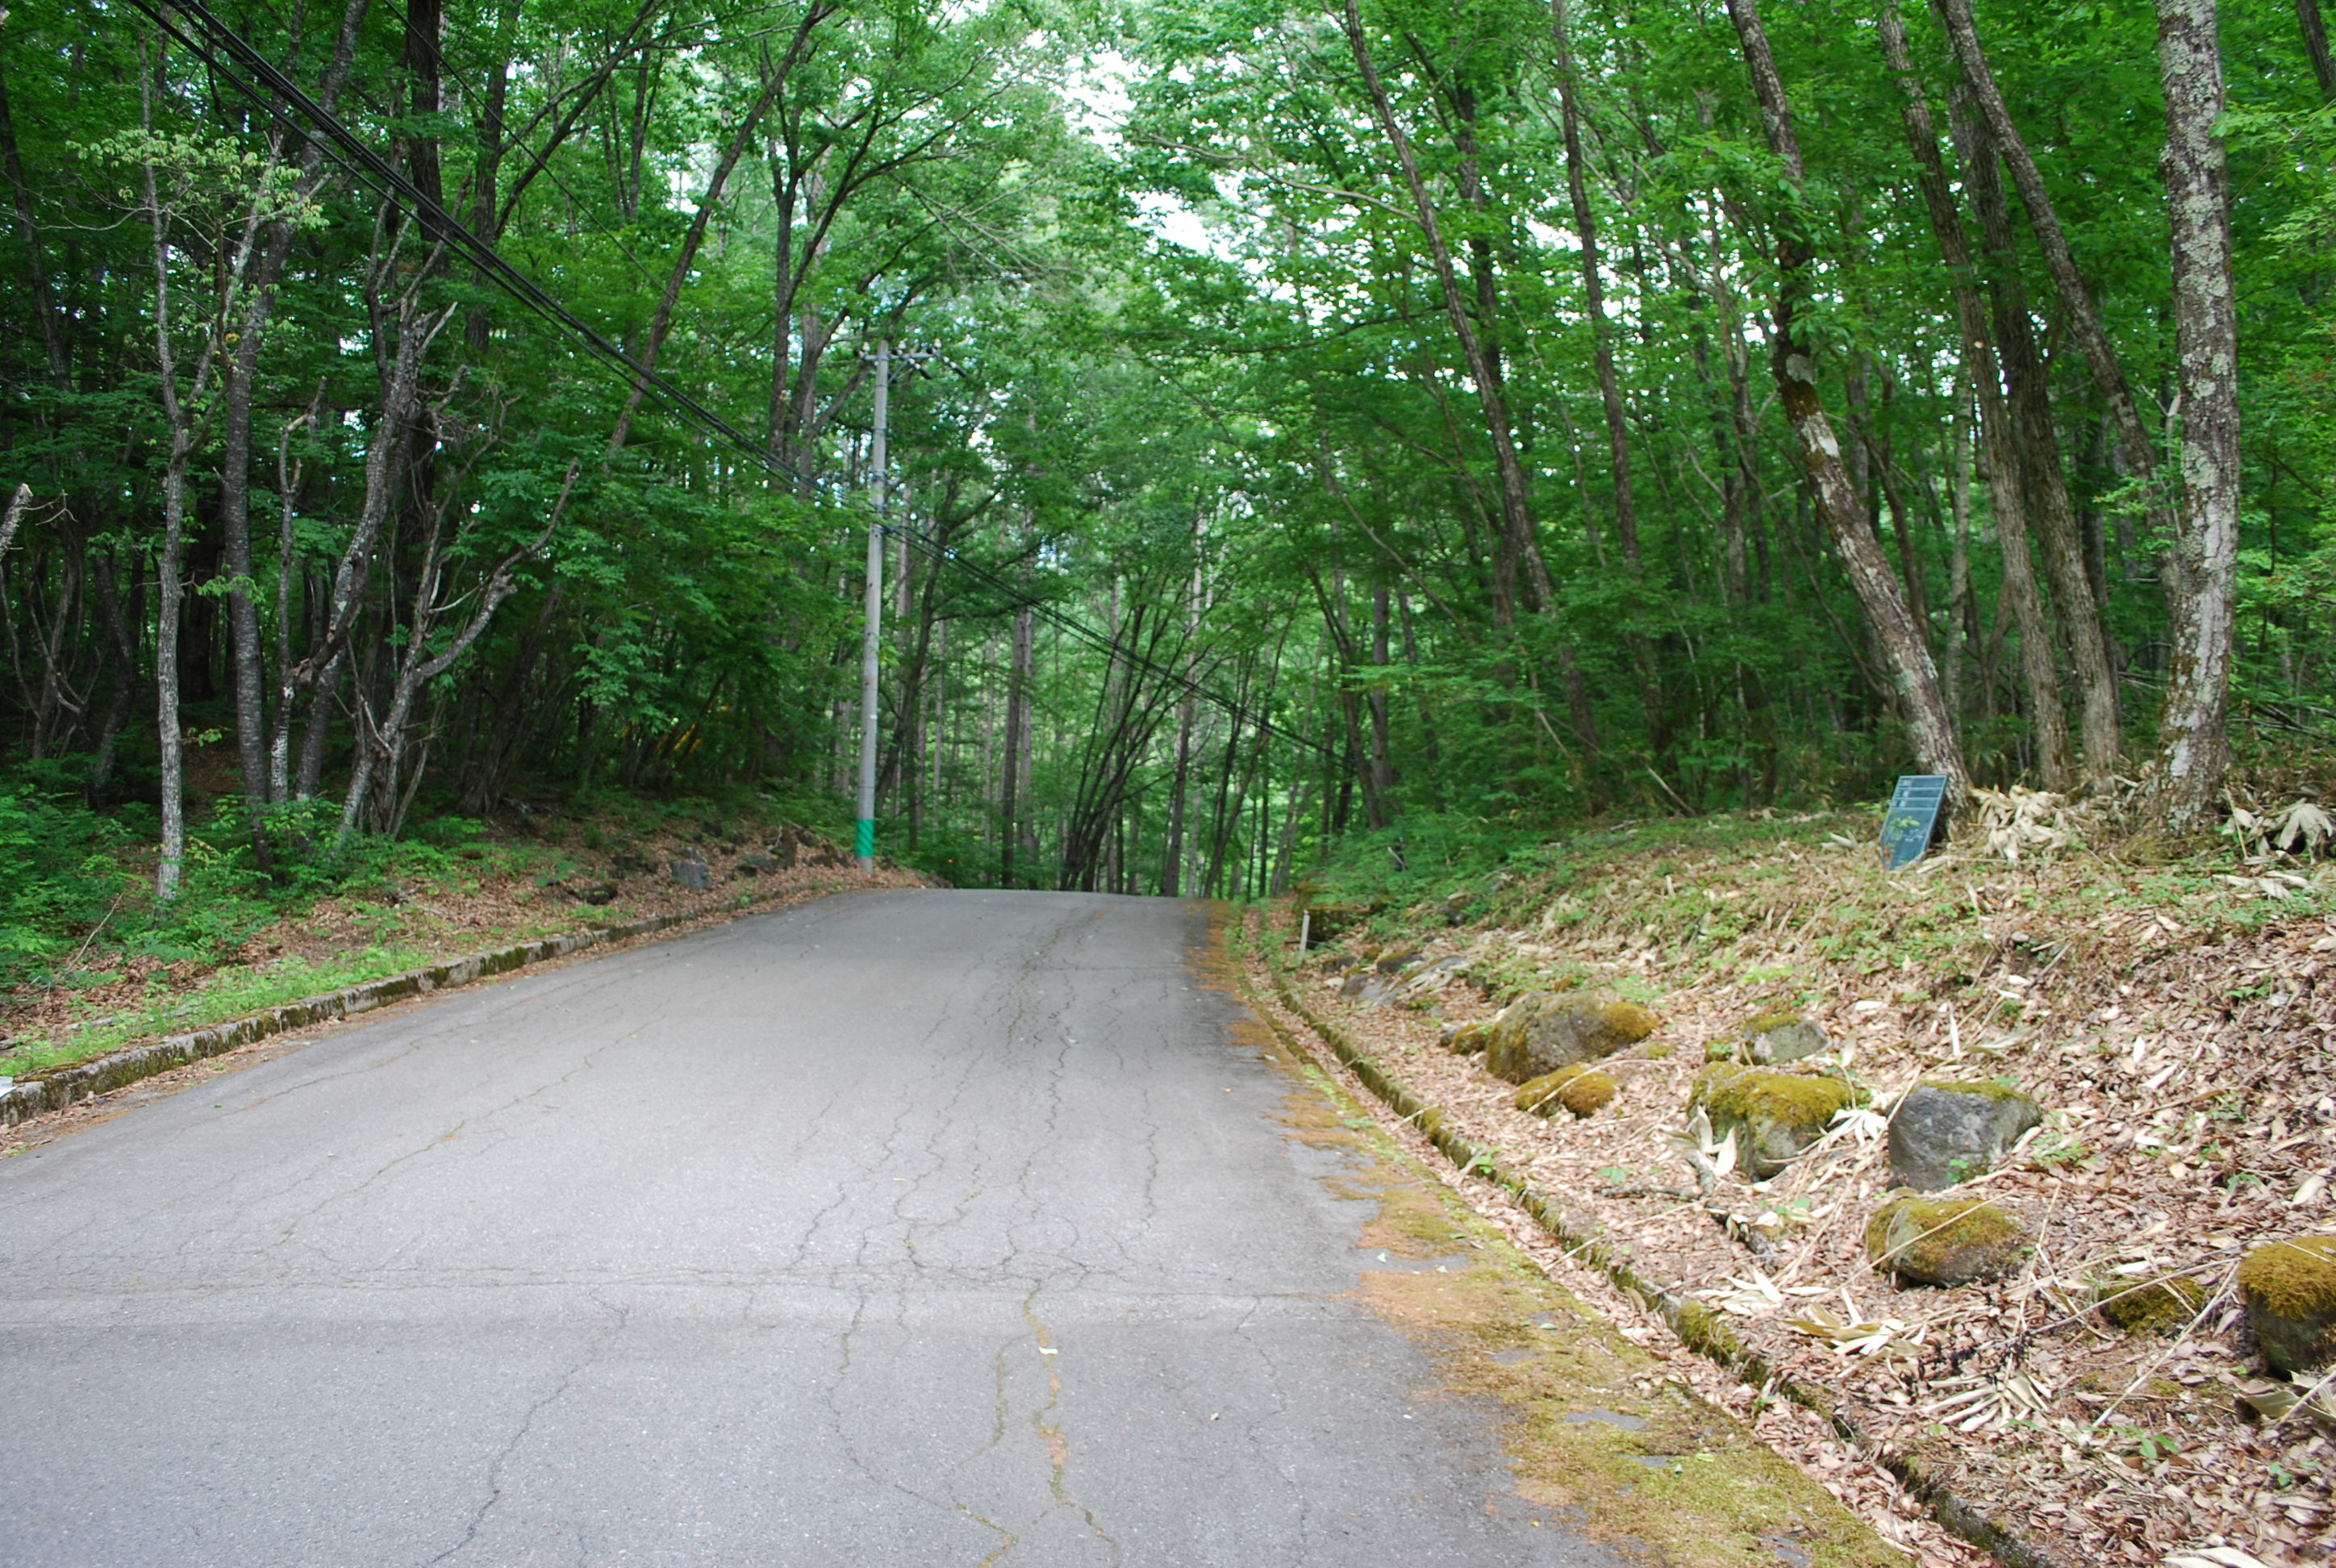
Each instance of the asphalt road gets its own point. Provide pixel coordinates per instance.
(908, 1228)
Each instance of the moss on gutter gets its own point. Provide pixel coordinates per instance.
(1602, 1440)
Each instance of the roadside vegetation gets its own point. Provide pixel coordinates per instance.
(2112, 1380)
(90, 959)
(1305, 422)
(1519, 474)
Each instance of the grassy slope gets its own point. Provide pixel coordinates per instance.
(2178, 1023)
(237, 943)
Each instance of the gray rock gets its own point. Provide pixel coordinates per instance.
(1449, 964)
(1770, 1040)
(692, 873)
(1368, 987)
(756, 866)
(1944, 1132)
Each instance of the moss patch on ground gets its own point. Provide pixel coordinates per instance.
(2165, 1306)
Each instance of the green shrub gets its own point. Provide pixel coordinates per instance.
(58, 878)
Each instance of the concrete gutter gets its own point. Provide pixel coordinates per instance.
(1699, 1327)
(61, 1087)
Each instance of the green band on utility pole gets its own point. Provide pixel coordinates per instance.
(863, 838)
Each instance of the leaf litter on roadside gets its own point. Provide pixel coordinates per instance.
(2180, 1042)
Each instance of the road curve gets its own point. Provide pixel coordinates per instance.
(948, 1228)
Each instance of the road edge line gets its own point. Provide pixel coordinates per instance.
(1696, 1326)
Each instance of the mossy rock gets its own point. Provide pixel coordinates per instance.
(1538, 1096)
(2166, 1305)
(1578, 1089)
(1944, 1132)
(1773, 1116)
(1466, 1039)
(1587, 1093)
(1781, 1036)
(2289, 1290)
(1540, 1032)
(1393, 959)
(1946, 1241)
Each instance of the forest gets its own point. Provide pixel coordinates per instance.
(1409, 420)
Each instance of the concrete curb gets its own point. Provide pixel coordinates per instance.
(55, 1090)
(1699, 1328)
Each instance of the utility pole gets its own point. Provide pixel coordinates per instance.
(864, 833)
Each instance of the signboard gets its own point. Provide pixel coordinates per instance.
(1912, 819)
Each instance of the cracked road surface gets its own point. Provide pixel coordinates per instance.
(906, 1228)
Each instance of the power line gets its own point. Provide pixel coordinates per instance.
(349, 150)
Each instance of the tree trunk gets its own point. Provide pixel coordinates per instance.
(1593, 291)
(2037, 448)
(2194, 741)
(2007, 500)
(486, 171)
(13, 518)
(1382, 763)
(249, 678)
(2315, 43)
(1959, 581)
(2134, 455)
(169, 595)
(1018, 719)
(125, 678)
(742, 138)
(36, 265)
(1930, 727)
(1519, 541)
(1172, 869)
(323, 692)
(1609, 395)
(381, 754)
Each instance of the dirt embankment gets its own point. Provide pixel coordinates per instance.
(2173, 1025)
